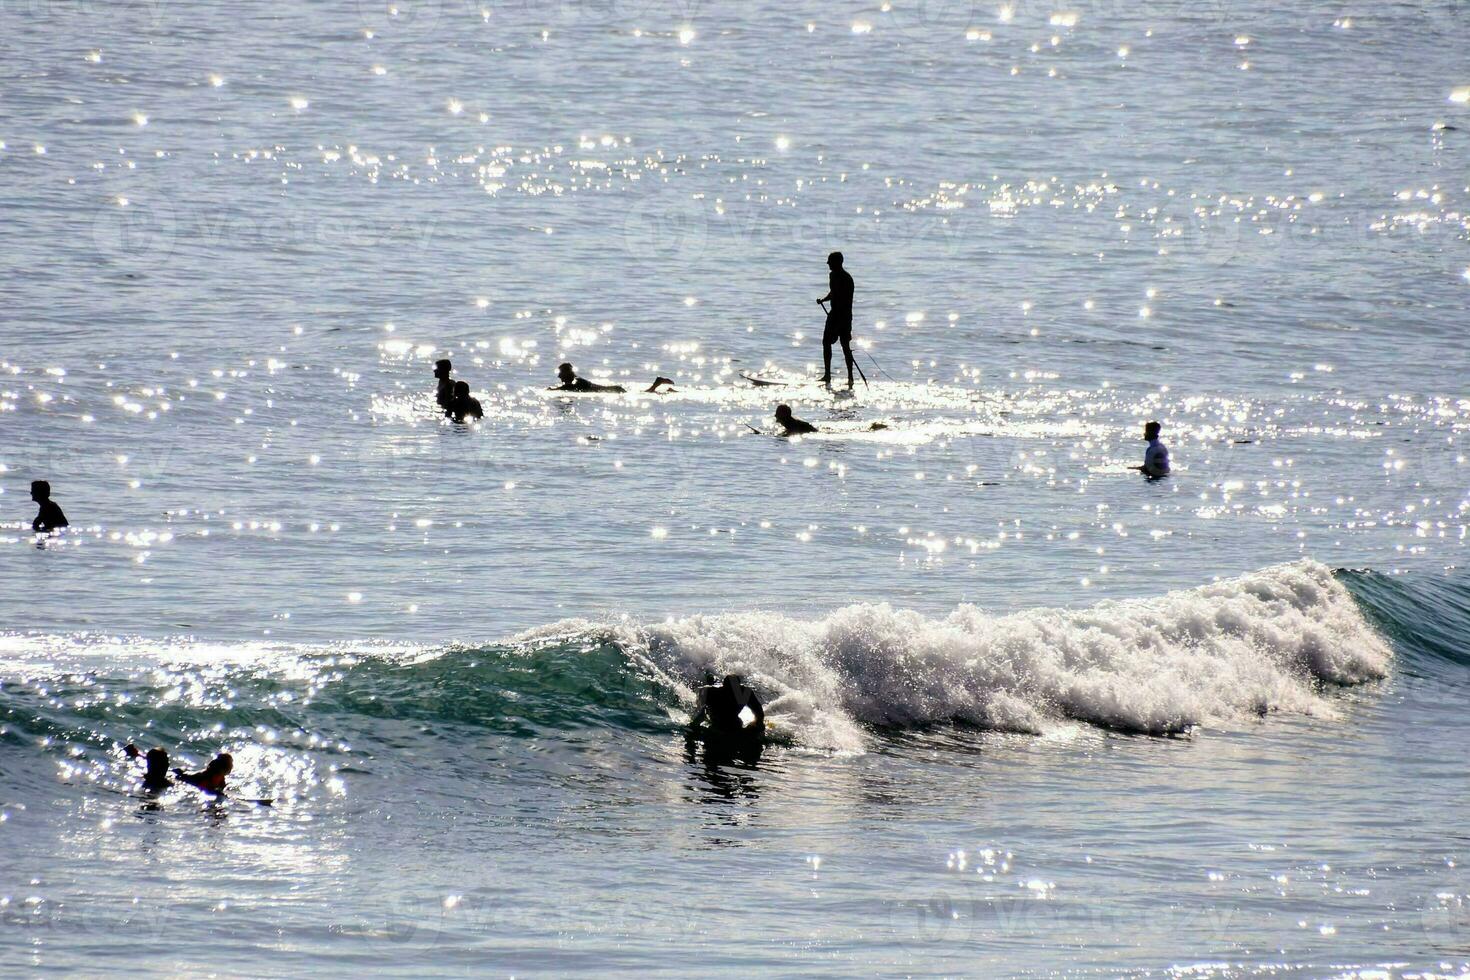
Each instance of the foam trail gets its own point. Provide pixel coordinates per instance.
(1216, 654)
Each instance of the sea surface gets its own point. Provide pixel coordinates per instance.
(1032, 715)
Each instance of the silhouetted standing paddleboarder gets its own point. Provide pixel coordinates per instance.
(839, 317)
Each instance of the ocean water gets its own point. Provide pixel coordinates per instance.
(1032, 715)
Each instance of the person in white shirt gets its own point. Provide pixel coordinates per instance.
(1156, 456)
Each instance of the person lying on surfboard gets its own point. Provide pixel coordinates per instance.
(731, 708)
(211, 778)
(792, 425)
(571, 382)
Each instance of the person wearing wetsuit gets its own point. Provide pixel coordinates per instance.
(444, 394)
(155, 775)
(1156, 456)
(570, 382)
(211, 778)
(839, 317)
(722, 705)
(792, 425)
(464, 406)
(49, 518)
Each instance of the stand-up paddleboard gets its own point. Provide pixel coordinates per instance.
(800, 383)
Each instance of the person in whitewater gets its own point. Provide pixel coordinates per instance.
(211, 778)
(567, 375)
(1156, 456)
(444, 393)
(155, 767)
(790, 424)
(839, 317)
(731, 708)
(463, 405)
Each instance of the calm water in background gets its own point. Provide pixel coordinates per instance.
(237, 237)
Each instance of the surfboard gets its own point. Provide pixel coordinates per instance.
(155, 797)
(764, 382)
(745, 737)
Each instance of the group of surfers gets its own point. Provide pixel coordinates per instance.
(457, 403)
(156, 771)
(726, 709)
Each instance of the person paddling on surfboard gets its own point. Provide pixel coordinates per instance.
(567, 375)
(570, 382)
(790, 424)
(211, 778)
(731, 708)
(839, 318)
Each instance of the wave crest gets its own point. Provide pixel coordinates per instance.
(1273, 640)
(1267, 641)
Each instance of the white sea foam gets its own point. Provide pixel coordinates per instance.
(1212, 655)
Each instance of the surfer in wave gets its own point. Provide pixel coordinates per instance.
(731, 708)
